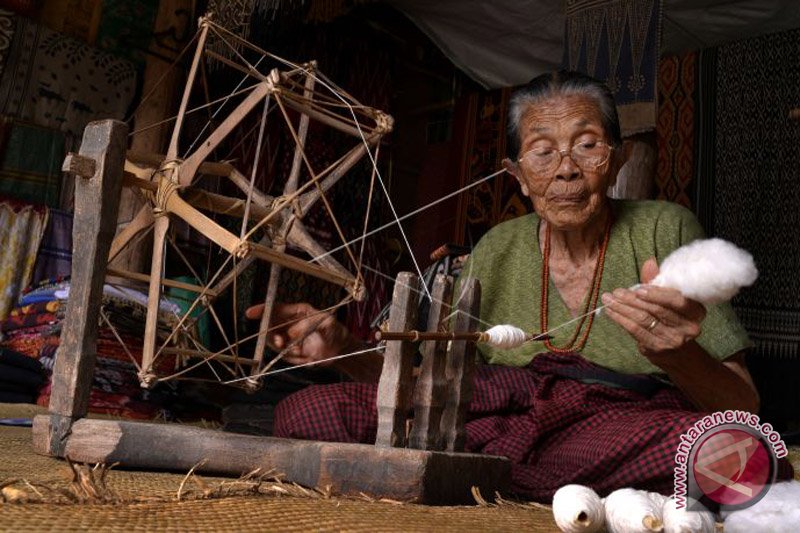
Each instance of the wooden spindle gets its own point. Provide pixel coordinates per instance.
(415, 336)
(471, 336)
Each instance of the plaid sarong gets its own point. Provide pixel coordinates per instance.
(556, 430)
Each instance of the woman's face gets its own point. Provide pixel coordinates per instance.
(568, 197)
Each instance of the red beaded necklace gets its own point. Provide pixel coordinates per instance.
(591, 301)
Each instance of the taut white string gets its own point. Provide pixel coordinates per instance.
(302, 365)
(568, 322)
(412, 213)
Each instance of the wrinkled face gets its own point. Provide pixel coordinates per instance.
(569, 197)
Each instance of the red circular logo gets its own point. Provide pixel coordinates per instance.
(732, 466)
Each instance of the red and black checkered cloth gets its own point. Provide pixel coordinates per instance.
(555, 430)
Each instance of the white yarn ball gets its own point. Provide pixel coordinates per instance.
(707, 270)
(578, 509)
(777, 512)
(685, 521)
(506, 337)
(633, 511)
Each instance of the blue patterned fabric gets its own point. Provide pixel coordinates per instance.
(618, 41)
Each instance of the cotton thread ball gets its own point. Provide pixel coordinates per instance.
(633, 511)
(506, 337)
(685, 521)
(578, 509)
(707, 270)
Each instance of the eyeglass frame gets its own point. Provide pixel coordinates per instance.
(561, 154)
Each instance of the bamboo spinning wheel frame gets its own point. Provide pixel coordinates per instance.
(167, 182)
(418, 452)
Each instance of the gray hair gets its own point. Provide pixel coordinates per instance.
(562, 83)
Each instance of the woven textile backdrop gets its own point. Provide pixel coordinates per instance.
(500, 198)
(675, 128)
(756, 192)
(618, 41)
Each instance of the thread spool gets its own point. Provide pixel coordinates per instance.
(578, 509)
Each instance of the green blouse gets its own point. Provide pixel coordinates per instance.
(508, 263)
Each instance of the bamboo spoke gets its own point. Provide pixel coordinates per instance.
(316, 183)
(189, 167)
(153, 300)
(142, 221)
(172, 151)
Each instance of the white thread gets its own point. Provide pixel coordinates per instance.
(408, 215)
(578, 509)
(506, 337)
(632, 511)
(312, 363)
(685, 521)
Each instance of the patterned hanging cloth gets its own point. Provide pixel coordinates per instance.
(21, 231)
(617, 41)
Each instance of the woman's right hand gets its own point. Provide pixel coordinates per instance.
(314, 335)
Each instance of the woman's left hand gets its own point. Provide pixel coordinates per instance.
(661, 320)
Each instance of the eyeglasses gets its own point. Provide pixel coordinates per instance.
(545, 160)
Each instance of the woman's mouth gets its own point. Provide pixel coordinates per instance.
(567, 198)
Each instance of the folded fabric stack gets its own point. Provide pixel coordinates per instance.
(20, 377)
(33, 330)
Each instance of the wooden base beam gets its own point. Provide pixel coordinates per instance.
(428, 477)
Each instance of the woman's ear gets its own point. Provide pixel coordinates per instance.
(513, 168)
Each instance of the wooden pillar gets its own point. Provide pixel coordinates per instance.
(96, 203)
(461, 368)
(396, 384)
(172, 30)
(431, 388)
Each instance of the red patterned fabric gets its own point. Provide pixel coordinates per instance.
(555, 430)
(675, 128)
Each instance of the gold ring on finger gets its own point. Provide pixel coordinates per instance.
(652, 324)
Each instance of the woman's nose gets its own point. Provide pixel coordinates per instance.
(567, 170)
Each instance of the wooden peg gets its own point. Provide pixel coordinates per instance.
(79, 165)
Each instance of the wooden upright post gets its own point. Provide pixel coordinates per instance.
(96, 204)
(429, 394)
(396, 385)
(461, 368)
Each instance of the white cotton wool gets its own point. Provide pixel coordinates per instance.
(633, 511)
(709, 271)
(684, 521)
(578, 509)
(777, 512)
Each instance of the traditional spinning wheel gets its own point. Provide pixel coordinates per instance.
(421, 461)
(167, 183)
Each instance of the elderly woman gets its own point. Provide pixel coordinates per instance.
(602, 403)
